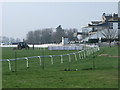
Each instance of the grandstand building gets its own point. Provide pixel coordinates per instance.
(110, 24)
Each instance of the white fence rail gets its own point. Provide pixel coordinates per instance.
(82, 54)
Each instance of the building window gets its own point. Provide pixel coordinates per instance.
(119, 25)
(110, 25)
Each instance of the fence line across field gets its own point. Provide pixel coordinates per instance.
(82, 55)
(92, 50)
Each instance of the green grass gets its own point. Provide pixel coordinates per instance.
(105, 74)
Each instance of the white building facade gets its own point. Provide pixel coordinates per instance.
(108, 27)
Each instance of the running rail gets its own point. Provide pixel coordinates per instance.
(93, 48)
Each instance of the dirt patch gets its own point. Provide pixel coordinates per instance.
(104, 55)
(107, 55)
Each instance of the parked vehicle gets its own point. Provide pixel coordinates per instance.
(22, 45)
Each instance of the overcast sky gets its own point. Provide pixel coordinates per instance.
(20, 17)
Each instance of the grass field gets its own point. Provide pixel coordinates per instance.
(105, 74)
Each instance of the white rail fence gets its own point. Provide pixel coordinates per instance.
(82, 54)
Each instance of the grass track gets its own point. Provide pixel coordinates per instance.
(104, 76)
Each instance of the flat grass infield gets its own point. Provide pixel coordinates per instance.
(99, 70)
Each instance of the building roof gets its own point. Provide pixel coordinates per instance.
(106, 18)
(100, 24)
(96, 22)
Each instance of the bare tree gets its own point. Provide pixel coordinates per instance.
(5, 40)
(110, 34)
(37, 36)
(12, 40)
(48, 36)
(30, 37)
(17, 40)
(70, 33)
(59, 34)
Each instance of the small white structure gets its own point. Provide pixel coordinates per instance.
(64, 41)
(79, 37)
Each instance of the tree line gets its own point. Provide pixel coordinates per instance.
(48, 35)
(9, 40)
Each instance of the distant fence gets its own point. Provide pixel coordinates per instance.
(65, 47)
